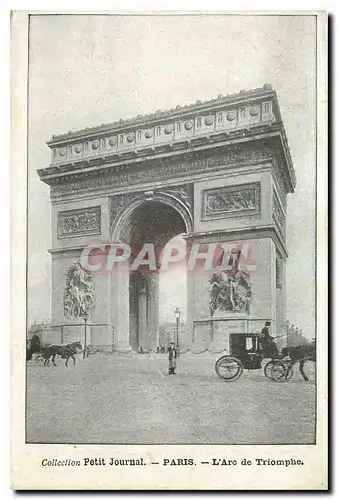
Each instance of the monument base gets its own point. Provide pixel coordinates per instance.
(223, 324)
(122, 348)
(214, 333)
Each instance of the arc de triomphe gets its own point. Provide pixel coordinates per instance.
(218, 172)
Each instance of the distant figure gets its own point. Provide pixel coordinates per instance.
(172, 358)
(268, 343)
(158, 349)
(34, 346)
(35, 342)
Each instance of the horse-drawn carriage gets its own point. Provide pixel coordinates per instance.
(50, 351)
(247, 352)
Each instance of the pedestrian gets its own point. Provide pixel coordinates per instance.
(172, 358)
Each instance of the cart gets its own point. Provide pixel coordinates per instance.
(246, 353)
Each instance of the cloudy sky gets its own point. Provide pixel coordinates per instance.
(87, 70)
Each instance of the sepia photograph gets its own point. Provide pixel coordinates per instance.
(171, 234)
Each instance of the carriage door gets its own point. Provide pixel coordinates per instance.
(237, 344)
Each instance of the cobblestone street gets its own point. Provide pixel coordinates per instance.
(131, 399)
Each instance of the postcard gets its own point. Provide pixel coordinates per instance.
(169, 238)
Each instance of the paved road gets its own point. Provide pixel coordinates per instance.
(113, 399)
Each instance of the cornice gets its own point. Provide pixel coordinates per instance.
(77, 248)
(221, 123)
(159, 115)
(212, 141)
(121, 170)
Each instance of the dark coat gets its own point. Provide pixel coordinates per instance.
(172, 353)
(268, 343)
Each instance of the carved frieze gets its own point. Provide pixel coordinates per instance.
(278, 214)
(230, 201)
(79, 222)
(164, 168)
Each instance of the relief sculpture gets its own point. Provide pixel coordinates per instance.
(228, 200)
(79, 294)
(230, 290)
(183, 193)
(80, 221)
(163, 169)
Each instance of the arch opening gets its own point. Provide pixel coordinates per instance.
(148, 228)
(173, 295)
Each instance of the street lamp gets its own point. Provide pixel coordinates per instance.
(85, 317)
(177, 314)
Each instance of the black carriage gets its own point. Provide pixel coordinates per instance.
(247, 353)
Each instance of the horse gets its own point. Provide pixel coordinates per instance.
(301, 353)
(66, 351)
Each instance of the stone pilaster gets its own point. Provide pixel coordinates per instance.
(142, 318)
(120, 306)
(153, 309)
(190, 307)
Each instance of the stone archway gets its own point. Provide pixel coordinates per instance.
(223, 165)
(151, 219)
(179, 204)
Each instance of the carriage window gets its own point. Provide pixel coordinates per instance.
(220, 117)
(178, 127)
(198, 121)
(121, 139)
(248, 344)
(139, 134)
(158, 131)
(242, 112)
(266, 107)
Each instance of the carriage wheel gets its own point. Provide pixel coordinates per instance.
(228, 368)
(268, 369)
(281, 372)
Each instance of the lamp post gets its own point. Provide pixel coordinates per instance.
(85, 317)
(177, 314)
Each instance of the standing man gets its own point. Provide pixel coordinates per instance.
(172, 358)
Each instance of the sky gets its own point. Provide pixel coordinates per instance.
(87, 70)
